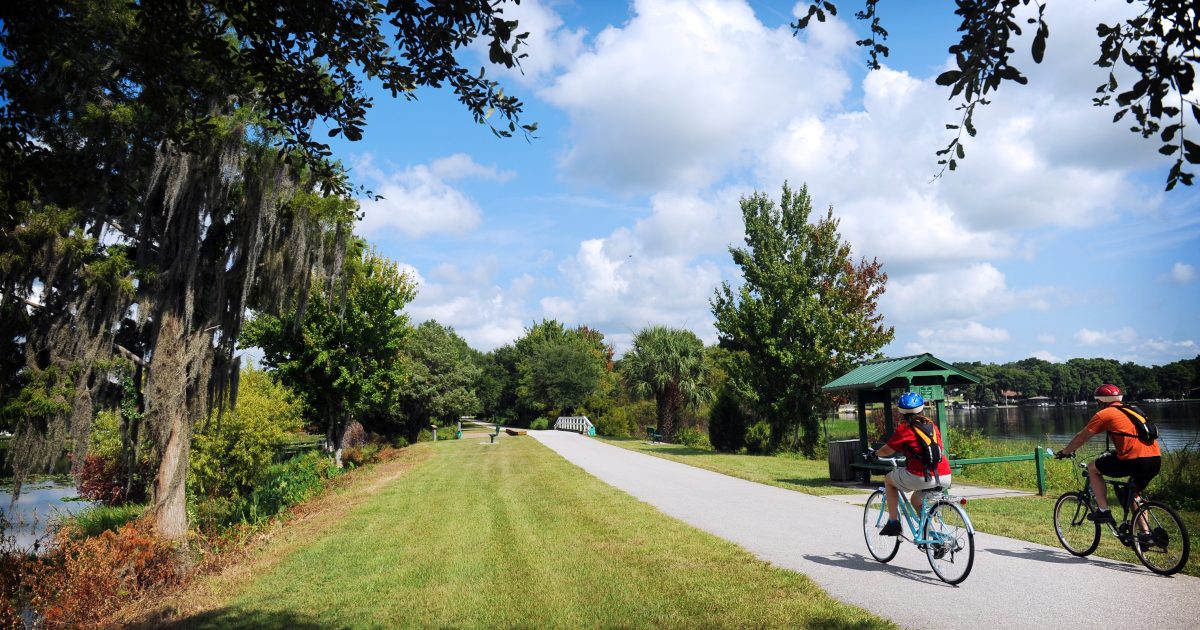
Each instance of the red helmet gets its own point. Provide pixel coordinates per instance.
(1107, 393)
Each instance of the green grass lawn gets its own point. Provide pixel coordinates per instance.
(511, 535)
(1030, 518)
(791, 472)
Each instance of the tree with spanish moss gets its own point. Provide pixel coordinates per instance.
(160, 177)
(804, 313)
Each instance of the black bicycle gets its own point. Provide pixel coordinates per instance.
(1152, 529)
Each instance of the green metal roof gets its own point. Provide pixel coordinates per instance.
(922, 369)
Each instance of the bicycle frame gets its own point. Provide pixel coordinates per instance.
(916, 522)
(1127, 497)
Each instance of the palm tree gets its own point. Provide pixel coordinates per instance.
(668, 363)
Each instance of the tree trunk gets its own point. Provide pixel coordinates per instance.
(170, 497)
(662, 415)
(167, 407)
(334, 435)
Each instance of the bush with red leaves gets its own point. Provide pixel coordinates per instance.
(102, 480)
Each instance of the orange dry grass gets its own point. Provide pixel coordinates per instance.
(80, 582)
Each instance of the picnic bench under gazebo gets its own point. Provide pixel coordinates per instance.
(874, 382)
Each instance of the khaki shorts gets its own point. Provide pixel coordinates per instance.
(909, 482)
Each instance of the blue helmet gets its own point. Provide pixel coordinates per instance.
(911, 402)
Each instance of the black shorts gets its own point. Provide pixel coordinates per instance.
(1142, 469)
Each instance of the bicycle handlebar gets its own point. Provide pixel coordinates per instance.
(871, 456)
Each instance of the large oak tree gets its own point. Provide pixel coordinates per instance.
(159, 163)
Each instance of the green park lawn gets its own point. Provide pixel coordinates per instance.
(506, 535)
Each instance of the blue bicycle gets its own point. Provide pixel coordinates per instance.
(941, 529)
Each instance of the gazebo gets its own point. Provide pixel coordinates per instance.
(874, 382)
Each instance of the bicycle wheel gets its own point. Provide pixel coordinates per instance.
(952, 551)
(1164, 548)
(1078, 535)
(883, 548)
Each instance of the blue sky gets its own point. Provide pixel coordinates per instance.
(1053, 239)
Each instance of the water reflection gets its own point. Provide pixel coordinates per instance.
(40, 504)
(1178, 423)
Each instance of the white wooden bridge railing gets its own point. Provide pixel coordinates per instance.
(578, 424)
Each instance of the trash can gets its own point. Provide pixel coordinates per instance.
(842, 453)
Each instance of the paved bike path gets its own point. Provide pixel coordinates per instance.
(1014, 584)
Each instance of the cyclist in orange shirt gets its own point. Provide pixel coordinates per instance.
(1133, 458)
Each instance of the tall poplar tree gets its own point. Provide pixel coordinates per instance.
(805, 311)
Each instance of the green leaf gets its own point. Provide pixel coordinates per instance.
(1039, 46)
(948, 78)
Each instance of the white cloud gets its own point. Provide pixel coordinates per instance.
(617, 286)
(1046, 355)
(687, 89)
(550, 45)
(419, 200)
(1182, 273)
(957, 294)
(1088, 337)
(959, 340)
(484, 313)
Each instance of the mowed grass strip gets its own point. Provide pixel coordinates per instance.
(791, 472)
(512, 535)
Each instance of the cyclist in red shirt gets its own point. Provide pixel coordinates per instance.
(913, 477)
(1133, 458)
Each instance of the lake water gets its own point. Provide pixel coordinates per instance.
(40, 504)
(1178, 422)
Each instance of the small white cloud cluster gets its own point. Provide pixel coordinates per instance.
(420, 200)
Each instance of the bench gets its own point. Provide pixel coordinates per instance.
(654, 436)
(492, 436)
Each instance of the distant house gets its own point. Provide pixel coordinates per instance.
(1036, 401)
(1005, 396)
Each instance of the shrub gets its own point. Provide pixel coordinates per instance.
(727, 422)
(104, 440)
(539, 424)
(286, 484)
(81, 581)
(1178, 483)
(693, 438)
(364, 454)
(232, 452)
(102, 480)
(354, 436)
(758, 438)
(969, 443)
(626, 420)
